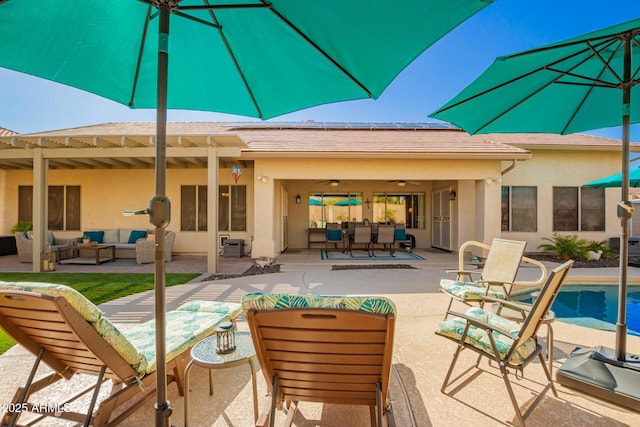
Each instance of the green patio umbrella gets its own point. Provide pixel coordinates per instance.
(583, 83)
(250, 57)
(616, 180)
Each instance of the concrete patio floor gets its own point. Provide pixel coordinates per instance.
(420, 357)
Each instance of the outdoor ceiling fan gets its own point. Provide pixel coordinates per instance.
(331, 182)
(402, 183)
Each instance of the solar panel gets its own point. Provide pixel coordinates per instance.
(342, 125)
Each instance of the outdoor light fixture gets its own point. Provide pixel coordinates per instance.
(225, 338)
(401, 183)
(367, 202)
(262, 178)
(298, 199)
(452, 194)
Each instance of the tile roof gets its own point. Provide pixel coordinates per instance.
(7, 132)
(304, 139)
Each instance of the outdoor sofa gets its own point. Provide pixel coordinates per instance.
(130, 243)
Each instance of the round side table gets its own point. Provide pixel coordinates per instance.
(204, 355)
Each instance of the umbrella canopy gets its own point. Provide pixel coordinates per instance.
(246, 57)
(252, 57)
(580, 84)
(616, 180)
(348, 202)
(316, 202)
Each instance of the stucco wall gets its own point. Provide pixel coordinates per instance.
(565, 168)
(106, 193)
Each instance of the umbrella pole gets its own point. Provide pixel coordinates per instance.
(160, 211)
(625, 211)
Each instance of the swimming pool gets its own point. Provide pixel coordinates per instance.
(596, 306)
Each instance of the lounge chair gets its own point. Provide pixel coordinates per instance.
(69, 333)
(496, 279)
(329, 349)
(512, 345)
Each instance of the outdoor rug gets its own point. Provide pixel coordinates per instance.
(360, 255)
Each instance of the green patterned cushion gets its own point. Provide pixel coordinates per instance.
(468, 291)
(184, 329)
(478, 337)
(228, 309)
(369, 304)
(187, 325)
(88, 311)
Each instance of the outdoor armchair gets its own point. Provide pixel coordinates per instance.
(328, 349)
(70, 334)
(512, 345)
(498, 276)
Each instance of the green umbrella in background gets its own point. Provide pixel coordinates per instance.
(616, 180)
(583, 83)
(248, 57)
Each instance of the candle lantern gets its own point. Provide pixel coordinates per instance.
(226, 338)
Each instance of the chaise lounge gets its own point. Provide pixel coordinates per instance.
(70, 334)
(329, 349)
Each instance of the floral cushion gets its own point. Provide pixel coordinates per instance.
(228, 309)
(469, 291)
(184, 330)
(479, 338)
(369, 304)
(88, 311)
(186, 325)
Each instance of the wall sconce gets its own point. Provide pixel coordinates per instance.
(452, 194)
(298, 199)
(262, 178)
(367, 202)
(225, 338)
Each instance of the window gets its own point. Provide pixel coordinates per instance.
(232, 208)
(402, 208)
(63, 203)
(519, 209)
(578, 209)
(334, 207)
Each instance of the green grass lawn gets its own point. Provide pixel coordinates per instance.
(97, 287)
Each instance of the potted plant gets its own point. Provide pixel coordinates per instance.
(22, 226)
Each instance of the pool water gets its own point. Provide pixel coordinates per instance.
(596, 306)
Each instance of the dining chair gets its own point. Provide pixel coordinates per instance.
(361, 236)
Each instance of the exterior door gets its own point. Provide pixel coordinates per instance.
(441, 221)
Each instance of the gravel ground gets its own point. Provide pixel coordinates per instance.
(608, 261)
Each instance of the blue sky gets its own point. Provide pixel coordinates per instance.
(507, 26)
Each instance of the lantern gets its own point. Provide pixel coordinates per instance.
(225, 337)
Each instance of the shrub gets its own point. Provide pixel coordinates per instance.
(566, 247)
(22, 226)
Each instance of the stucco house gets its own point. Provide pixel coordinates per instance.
(275, 185)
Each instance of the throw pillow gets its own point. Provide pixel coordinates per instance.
(334, 234)
(400, 234)
(94, 236)
(137, 234)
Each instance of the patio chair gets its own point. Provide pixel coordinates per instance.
(361, 236)
(386, 238)
(327, 349)
(402, 238)
(70, 334)
(334, 235)
(512, 345)
(498, 277)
